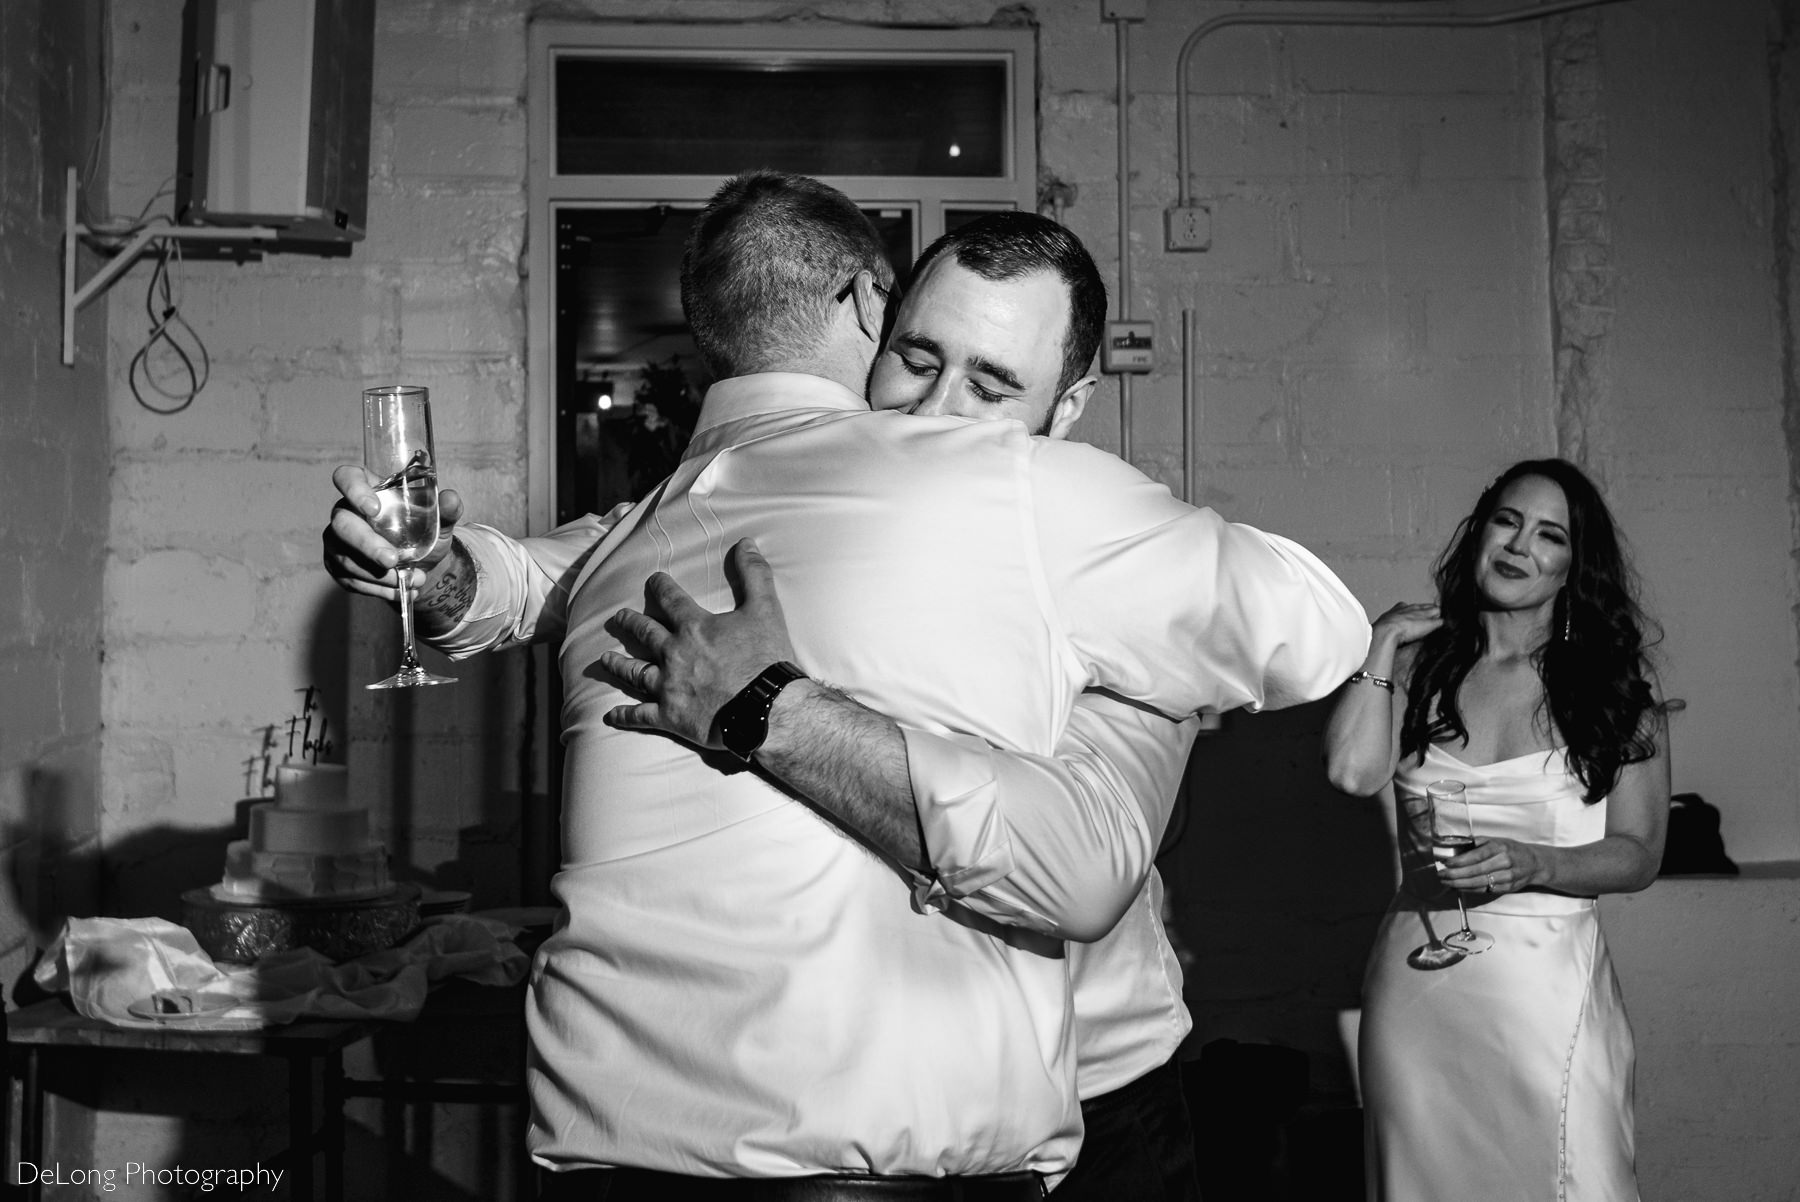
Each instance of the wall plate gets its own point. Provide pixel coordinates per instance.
(1188, 227)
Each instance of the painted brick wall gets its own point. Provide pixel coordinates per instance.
(219, 614)
(1690, 437)
(1708, 968)
(1433, 252)
(54, 488)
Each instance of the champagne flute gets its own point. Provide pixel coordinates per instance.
(1452, 833)
(397, 451)
(1432, 953)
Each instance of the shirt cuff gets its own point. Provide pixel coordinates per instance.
(487, 623)
(956, 793)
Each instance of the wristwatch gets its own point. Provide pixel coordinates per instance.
(743, 722)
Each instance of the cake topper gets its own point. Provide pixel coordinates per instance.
(308, 744)
(259, 768)
(256, 768)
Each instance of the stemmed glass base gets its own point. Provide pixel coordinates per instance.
(1469, 942)
(412, 673)
(407, 678)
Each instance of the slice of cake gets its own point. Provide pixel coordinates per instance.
(309, 843)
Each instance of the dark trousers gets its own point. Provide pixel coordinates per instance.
(1139, 1145)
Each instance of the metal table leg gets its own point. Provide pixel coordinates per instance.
(334, 1125)
(300, 1127)
(31, 1123)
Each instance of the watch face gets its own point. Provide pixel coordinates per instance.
(738, 731)
(744, 720)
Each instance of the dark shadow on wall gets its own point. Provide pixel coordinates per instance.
(451, 771)
(50, 861)
(1276, 884)
(58, 865)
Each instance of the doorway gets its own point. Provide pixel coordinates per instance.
(629, 380)
(634, 126)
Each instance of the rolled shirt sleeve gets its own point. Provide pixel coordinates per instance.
(1060, 844)
(522, 584)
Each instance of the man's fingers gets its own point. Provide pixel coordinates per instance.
(676, 604)
(754, 574)
(634, 675)
(450, 507)
(354, 482)
(368, 588)
(641, 629)
(616, 664)
(354, 554)
(359, 539)
(634, 717)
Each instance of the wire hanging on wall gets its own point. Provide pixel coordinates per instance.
(169, 329)
(124, 239)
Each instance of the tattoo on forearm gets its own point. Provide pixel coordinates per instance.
(448, 597)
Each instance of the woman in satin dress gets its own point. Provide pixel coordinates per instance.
(1507, 1074)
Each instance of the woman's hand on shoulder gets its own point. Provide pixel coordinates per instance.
(1362, 738)
(1408, 622)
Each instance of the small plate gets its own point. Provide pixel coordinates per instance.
(179, 1005)
(444, 901)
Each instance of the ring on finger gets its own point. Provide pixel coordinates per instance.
(1490, 880)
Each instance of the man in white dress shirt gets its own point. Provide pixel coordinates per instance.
(998, 322)
(739, 991)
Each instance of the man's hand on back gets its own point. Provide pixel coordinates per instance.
(695, 660)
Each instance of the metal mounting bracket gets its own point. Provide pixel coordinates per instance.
(74, 298)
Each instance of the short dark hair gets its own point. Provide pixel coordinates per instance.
(762, 266)
(1009, 245)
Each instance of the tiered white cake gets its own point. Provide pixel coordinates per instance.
(309, 843)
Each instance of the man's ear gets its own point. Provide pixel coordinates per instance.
(1069, 406)
(871, 305)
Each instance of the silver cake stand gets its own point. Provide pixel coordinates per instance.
(342, 929)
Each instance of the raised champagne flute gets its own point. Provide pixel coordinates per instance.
(1452, 833)
(397, 451)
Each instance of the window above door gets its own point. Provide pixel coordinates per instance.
(628, 113)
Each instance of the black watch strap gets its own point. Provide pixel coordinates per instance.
(743, 722)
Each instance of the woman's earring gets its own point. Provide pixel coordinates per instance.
(1568, 619)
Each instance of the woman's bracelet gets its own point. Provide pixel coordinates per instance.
(1378, 681)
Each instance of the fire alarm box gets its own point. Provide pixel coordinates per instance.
(1129, 346)
(276, 100)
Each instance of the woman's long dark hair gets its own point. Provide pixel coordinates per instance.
(1597, 693)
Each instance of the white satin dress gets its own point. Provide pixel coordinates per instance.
(1506, 1077)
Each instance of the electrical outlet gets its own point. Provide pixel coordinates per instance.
(1189, 227)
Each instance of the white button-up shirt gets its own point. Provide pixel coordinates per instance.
(737, 987)
(1085, 824)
